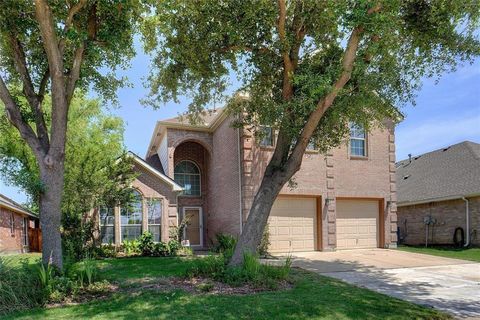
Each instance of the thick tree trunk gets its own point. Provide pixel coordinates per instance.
(50, 213)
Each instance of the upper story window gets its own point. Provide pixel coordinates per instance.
(107, 222)
(267, 136)
(187, 174)
(358, 141)
(131, 218)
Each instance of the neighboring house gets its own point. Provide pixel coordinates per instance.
(437, 191)
(16, 224)
(210, 172)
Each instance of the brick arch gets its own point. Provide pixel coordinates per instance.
(192, 138)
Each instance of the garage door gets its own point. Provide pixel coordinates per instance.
(357, 224)
(292, 225)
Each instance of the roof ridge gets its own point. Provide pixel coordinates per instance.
(465, 142)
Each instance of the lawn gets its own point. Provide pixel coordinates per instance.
(472, 254)
(313, 297)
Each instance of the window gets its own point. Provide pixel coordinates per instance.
(187, 174)
(131, 218)
(266, 134)
(155, 218)
(107, 222)
(312, 145)
(25, 232)
(357, 141)
(12, 224)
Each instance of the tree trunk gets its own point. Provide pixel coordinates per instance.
(51, 213)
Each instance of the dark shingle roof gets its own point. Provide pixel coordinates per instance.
(451, 172)
(9, 203)
(207, 118)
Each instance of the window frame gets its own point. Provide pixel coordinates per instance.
(106, 224)
(364, 139)
(272, 137)
(159, 225)
(12, 224)
(199, 174)
(125, 209)
(25, 232)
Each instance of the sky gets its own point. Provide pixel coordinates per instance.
(445, 113)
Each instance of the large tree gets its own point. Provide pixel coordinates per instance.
(309, 68)
(97, 169)
(53, 47)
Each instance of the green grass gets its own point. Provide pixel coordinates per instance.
(472, 254)
(17, 260)
(313, 297)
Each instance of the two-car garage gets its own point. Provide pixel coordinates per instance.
(295, 224)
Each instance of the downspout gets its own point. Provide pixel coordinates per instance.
(240, 180)
(467, 222)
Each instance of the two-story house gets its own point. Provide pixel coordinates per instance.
(210, 172)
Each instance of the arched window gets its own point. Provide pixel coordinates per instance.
(131, 218)
(187, 174)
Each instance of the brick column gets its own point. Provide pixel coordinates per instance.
(144, 215)
(391, 219)
(116, 212)
(330, 204)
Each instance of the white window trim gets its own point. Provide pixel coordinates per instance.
(160, 200)
(12, 224)
(365, 144)
(25, 232)
(191, 174)
(200, 217)
(100, 225)
(132, 225)
(260, 143)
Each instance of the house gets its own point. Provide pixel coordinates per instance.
(18, 228)
(438, 192)
(210, 172)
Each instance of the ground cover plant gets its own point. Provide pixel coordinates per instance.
(471, 254)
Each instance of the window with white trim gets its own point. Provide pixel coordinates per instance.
(187, 174)
(154, 210)
(267, 136)
(358, 141)
(107, 225)
(131, 218)
(12, 224)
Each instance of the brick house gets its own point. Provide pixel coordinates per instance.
(438, 192)
(16, 224)
(210, 172)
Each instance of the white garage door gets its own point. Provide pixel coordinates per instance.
(292, 225)
(357, 224)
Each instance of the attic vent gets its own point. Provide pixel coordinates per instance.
(406, 177)
(445, 149)
(416, 158)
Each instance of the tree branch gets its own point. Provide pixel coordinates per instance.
(15, 117)
(74, 72)
(69, 20)
(288, 67)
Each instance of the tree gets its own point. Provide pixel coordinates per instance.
(309, 68)
(97, 170)
(54, 47)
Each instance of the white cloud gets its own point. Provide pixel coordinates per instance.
(436, 134)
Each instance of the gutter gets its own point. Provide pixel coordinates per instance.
(467, 222)
(411, 203)
(17, 210)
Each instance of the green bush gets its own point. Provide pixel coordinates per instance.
(225, 243)
(262, 249)
(174, 246)
(161, 249)
(106, 251)
(147, 246)
(20, 287)
(131, 247)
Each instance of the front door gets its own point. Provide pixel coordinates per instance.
(194, 229)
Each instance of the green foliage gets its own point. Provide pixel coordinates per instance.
(161, 249)
(176, 232)
(131, 247)
(225, 243)
(174, 247)
(146, 245)
(262, 249)
(250, 272)
(200, 47)
(106, 251)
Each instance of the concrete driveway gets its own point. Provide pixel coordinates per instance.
(446, 284)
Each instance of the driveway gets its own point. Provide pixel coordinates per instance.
(446, 284)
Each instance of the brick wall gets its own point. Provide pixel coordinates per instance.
(224, 190)
(448, 215)
(10, 243)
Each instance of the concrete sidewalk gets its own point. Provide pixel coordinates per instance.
(450, 285)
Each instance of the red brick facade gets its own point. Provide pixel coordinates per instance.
(12, 242)
(447, 216)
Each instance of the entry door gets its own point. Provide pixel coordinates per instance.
(194, 230)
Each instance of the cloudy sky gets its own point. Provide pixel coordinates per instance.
(446, 113)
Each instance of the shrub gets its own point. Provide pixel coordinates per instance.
(262, 249)
(131, 247)
(176, 232)
(106, 251)
(184, 251)
(146, 244)
(161, 249)
(225, 243)
(174, 246)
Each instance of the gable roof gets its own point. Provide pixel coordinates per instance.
(449, 173)
(14, 206)
(139, 161)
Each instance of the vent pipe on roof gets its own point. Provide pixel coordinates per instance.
(409, 158)
(467, 222)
